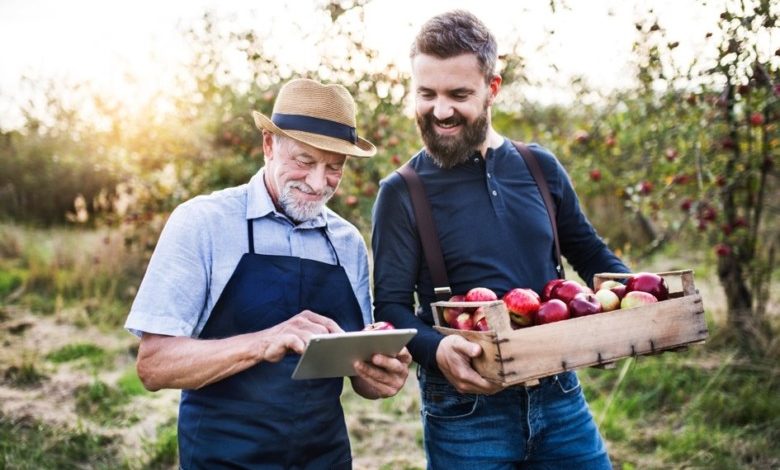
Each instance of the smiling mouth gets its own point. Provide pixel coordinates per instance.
(311, 196)
(447, 127)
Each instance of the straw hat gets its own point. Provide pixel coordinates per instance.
(319, 115)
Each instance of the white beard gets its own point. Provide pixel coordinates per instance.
(299, 210)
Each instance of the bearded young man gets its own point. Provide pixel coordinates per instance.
(239, 282)
(495, 232)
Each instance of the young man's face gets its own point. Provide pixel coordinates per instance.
(452, 105)
(300, 178)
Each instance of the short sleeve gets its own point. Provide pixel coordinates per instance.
(173, 292)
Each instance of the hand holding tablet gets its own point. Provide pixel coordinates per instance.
(332, 355)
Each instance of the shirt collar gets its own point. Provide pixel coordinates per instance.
(259, 204)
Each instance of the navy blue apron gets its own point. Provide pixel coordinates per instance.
(260, 418)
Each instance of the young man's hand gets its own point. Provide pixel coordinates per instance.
(454, 360)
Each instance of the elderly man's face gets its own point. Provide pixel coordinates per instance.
(300, 178)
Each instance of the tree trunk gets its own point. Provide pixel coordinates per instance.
(744, 326)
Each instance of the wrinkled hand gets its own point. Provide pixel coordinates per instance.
(293, 335)
(454, 360)
(383, 376)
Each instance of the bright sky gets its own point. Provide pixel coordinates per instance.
(104, 42)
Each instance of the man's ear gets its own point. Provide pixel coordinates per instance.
(268, 145)
(494, 86)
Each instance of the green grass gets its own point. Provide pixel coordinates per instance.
(10, 280)
(82, 352)
(164, 451)
(700, 409)
(102, 403)
(31, 445)
(25, 374)
(130, 385)
(92, 272)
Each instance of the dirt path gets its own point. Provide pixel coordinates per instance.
(28, 338)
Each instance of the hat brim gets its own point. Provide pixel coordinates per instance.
(362, 149)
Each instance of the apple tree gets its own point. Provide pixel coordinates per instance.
(690, 153)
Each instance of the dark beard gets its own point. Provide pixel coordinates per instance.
(449, 151)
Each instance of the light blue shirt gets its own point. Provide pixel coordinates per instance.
(204, 239)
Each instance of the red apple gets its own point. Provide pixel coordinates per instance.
(584, 304)
(615, 286)
(609, 284)
(722, 249)
(648, 282)
(551, 311)
(595, 175)
(637, 298)
(449, 313)
(756, 119)
(619, 290)
(480, 319)
(548, 288)
(380, 325)
(566, 291)
(522, 304)
(463, 322)
(608, 299)
(480, 294)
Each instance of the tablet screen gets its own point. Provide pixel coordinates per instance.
(332, 355)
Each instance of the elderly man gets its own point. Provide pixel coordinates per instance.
(241, 279)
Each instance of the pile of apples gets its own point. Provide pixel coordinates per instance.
(560, 300)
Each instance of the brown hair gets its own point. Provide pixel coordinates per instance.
(454, 33)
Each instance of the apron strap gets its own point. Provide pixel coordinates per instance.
(333, 248)
(251, 234)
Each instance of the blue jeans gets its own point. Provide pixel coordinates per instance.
(548, 426)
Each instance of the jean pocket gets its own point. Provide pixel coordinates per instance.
(567, 382)
(449, 405)
(442, 400)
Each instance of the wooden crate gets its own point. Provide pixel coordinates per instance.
(528, 354)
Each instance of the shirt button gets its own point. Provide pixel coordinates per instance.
(495, 193)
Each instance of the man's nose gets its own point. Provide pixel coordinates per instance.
(442, 109)
(316, 178)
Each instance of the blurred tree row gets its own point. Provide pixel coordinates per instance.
(686, 155)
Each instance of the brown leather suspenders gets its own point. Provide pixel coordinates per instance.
(427, 231)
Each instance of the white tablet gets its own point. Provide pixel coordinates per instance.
(332, 355)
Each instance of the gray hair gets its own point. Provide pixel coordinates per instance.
(454, 33)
